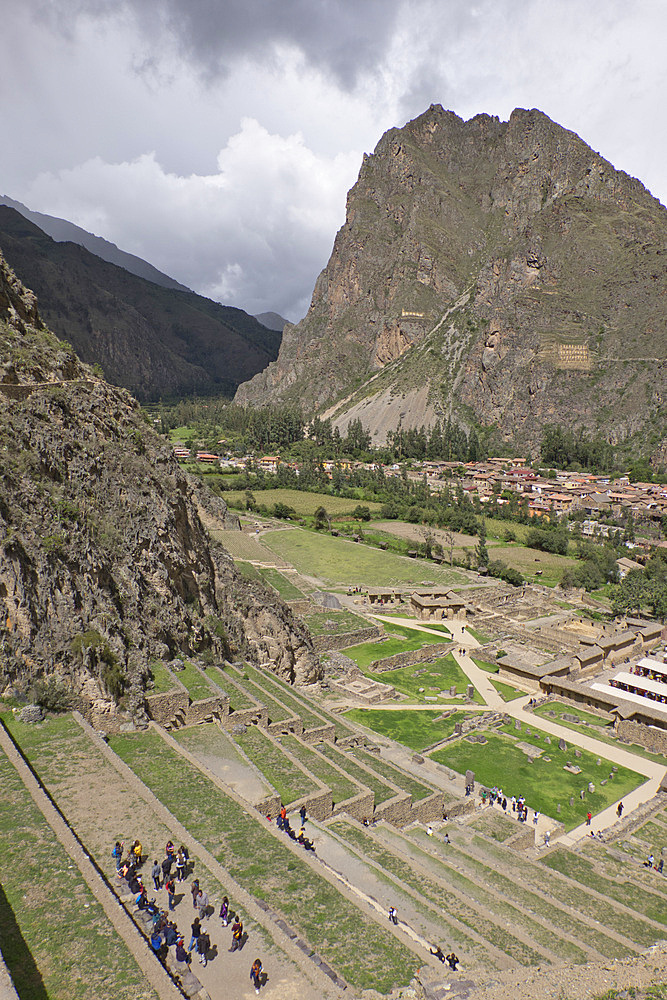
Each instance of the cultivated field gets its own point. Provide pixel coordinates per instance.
(343, 563)
(305, 504)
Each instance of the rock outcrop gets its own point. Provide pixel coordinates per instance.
(499, 274)
(104, 562)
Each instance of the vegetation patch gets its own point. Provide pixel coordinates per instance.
(195, 682)
(406, 641)
(335, 622)
(280, 583)
(544, 783)
(289, 780)
(304, 504)
(429, 682)
(412, 728)
(340, 562)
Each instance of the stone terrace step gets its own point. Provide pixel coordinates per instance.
(591, 942)
(617, 921)
(456, 904)
(555, 940)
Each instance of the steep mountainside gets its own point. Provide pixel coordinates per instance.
(63, 231)
(151, 340)
(104, 563)
(499, 273)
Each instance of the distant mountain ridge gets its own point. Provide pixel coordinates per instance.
(499, 274)
(273, 320)
(63, 231)
(153, 340)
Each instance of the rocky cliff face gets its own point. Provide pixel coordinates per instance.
(499, 273)
(104, 562)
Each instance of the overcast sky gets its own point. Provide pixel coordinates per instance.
(218, 138)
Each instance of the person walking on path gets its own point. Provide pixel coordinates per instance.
(393, 915)
(180, 866)
(201, 902)
(170, 886)
(536, 817)
(194, 889)
(224, 911)
(237, 933)
(619, 809)
(203, 945)
(547, 836)
(196, 931)
(156, 872)
(589, 817)
(256, 974)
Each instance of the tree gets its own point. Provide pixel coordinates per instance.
(361, 513)
(481, 550)
(250, 502)
(321, 519)
(449, 540)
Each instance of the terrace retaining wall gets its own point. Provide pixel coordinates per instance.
(292, 725)
(258, 716)
(430, 652)
(648, 737)
(206, 710)
(429, 809)
(323, 643)
(397, 811)
(319, 734)
(162, 708)
(359, 807)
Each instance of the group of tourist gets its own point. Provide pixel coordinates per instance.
(283, 823)
(164, 932)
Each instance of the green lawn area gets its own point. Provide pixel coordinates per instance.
(481, 637)
(335, 622)
(562, 708)
(425, 682)
(242, 546)
(407, 640)
(162, 678)
(197, 685)
(506, 691)
(544, 783)
(337, 561)
(414, 729)
(277, 711)
(238, 699)
(305, 504)
(438, 627)
(286, 695)
(268, 868)
(288, 779)
(491, 668)
(344, 759)
(55, 937)
(285, 587)
(248, 570)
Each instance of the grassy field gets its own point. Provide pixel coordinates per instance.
(162, 678)
(544, 782)
(607, 734)
(414, 729)
(335, 622)
(536, 566)
(197, 685)
(428, 682)
(243, 546)
(270, 870)
(406, 640)
(278, 582)
(506, 691)
(55, 937)
(562, 708)
(305, 504)
(337, 561)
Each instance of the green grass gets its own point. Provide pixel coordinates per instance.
(562, 708)
(277, 711)
(343, 759)
(269, 869)
(506, 691)
(335, 622)
(238, 699)
(434, 680)
(636, 897)
(197, 685)
(162, 678)
(285, 694)
(436, 891)
(438, 627)
(55, 937)
(281, 584)
(305, 504)
(544, 783)
(406, 640)
(491, 668)
(493, 825)
(289, 780)
(248, 570)
(401, 779)
(531, 901)
(341, 786)
(537, 567)
(337, 561)
(242, 546)
(413, 729)
(481, 637)
(599, 911)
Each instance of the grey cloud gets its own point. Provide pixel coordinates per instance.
(343, 38)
